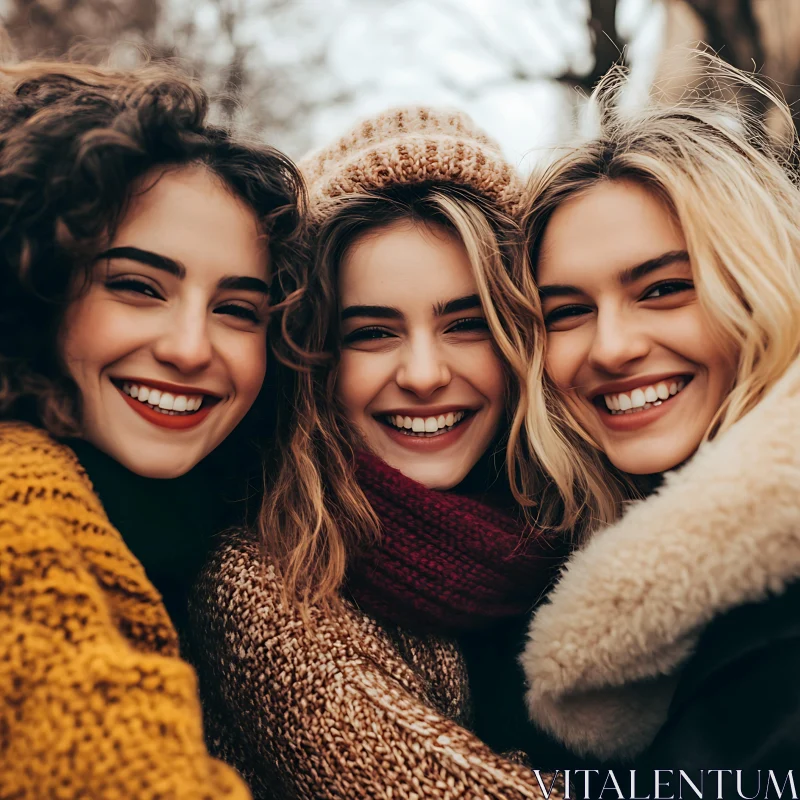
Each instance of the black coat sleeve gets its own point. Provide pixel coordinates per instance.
(737, 704)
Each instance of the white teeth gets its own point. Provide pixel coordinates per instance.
(642, 398)
(422, 425)
(163, 401)
(637, 398)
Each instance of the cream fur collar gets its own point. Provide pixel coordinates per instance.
(604, 651)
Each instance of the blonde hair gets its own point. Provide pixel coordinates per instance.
(315, 515)
(730, 187)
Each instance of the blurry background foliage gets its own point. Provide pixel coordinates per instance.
(299, 72)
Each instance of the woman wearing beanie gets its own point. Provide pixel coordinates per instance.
(333, 667)
(137, 245)
(673, 335)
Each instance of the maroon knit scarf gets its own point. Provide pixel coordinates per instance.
(445, 563)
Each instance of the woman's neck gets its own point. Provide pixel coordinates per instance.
(647, 484)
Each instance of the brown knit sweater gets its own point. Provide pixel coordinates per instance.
(94, 701)
(338, 707)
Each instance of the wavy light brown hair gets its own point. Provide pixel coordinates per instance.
(731, 187)
(74, 140)
(314, 514)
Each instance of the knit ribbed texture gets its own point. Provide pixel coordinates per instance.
(95, 702)
(445, 562)
(406, 146)
(336, 706)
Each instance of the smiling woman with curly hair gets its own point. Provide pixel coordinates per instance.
(142, 251)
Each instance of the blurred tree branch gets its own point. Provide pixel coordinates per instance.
(607, 45)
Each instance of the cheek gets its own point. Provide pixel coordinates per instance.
(248, 364)
(563, 359)
(358, 381)
(692, 336)
(490, 376)
(93, 334)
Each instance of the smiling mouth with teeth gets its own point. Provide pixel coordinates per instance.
(643, 398)
(163, 402)
(425, 427)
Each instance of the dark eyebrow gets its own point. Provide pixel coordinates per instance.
(146, 257)
(466, 303)
(389, 312)
(378, 312)
(244, 283)
(626, 277)
(629, 276)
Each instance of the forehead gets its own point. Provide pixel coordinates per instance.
(405, 264)
(611, 226)
(188, 215)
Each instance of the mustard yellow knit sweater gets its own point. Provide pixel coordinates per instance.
(94, 701)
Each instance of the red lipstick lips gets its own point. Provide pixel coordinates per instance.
(176, 422)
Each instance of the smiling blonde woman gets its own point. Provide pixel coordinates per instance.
(667, 254)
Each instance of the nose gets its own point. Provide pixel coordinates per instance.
(619, 341)
(423, 368)
(185, 343)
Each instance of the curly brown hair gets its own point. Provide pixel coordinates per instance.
(74, 140)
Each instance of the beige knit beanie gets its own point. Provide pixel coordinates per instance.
(408, 146)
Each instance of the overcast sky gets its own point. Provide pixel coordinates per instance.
(464, 52)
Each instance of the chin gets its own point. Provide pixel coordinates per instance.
(152, 464)
(646, 463)
(436, 478)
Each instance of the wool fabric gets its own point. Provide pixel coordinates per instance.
(445, 562)
(94, 701)
(407, 146)
(333, 705)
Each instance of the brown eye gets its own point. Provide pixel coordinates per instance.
(469, 324)
(242, 312)
(666, 288)
(366, 335)
(133, 285)
(565, 313)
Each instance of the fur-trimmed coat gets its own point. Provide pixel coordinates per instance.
(672, 639)
(336, 706)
